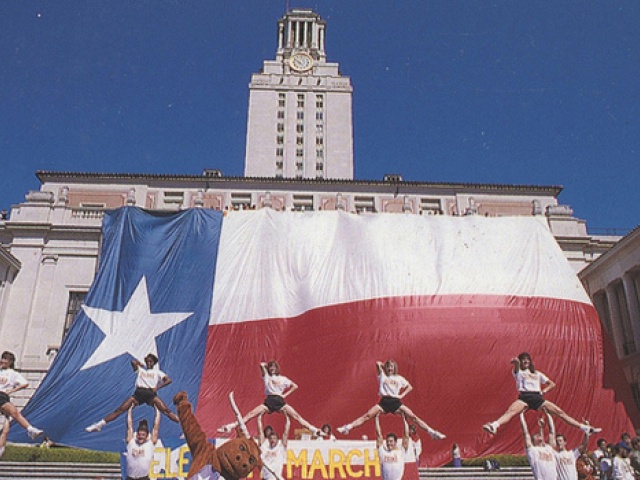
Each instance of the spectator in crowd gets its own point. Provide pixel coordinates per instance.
(585, 467)
(328, 433)
(625, 441)
(622, 469)
(455, 456)
(635, 456)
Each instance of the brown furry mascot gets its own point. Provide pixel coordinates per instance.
(234, 459)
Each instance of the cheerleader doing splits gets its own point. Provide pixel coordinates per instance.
(277, 387)
(150, 379)
(11, 382)
(392, 389)
(529, 383)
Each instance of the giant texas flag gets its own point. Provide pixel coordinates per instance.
(327, 294)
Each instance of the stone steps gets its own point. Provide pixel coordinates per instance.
(475, 473)
(71, 471)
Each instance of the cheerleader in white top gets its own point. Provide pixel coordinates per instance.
(140, 446)
(149, 380)
(392, 455)
(529, 383)
(11, 382)
(277, 387)
(273, 450)
(392, 389)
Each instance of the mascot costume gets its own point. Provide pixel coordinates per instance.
(233, 460)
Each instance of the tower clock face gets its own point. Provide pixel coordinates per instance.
(301, 62)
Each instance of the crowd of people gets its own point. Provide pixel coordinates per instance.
(553, 459)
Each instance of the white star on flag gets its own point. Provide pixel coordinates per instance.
(133, 330)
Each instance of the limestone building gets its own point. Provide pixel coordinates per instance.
(613, 283)
(299, 157)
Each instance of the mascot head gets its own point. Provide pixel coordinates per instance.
(238, 458)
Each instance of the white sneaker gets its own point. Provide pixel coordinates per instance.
(490, 427)
(34, 432)
(95, 427)
(589, 430)
(344, 430)
(436, 435)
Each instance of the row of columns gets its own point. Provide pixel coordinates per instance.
(298, 34)
(623, 313)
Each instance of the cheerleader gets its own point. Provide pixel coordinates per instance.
(277, 387)
(392, 389)
(11, 382)
(150, 379)
(529, 383)
(140, 446)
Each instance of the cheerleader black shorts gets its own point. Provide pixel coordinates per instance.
(533, 400)
(274, 403)
(389, 404)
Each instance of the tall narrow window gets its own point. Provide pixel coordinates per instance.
(76, 300)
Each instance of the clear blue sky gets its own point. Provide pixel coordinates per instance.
(516, 92)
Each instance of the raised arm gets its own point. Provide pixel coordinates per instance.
(136, 364)
(552, 430)
(541, 425)
(379, 438)
(516, 364)
(261, 436)
(525, 432)
(380, 368)
(582, 448)
(285, 434)
(130, 424)
(263, 369)
(405, 436)
(155, 433)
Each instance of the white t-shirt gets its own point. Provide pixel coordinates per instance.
(566, 464)
(275, 384)
(149, 378)
(391, 462)
(139, 457)
(530, 382)
(391, 385)
(10, 379)
(622, 469)
(274, 458)
(543, 462)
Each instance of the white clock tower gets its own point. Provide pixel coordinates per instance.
(300, 123)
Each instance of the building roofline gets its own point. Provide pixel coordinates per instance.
(604, 258)
(9, 258)
(46, 175)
